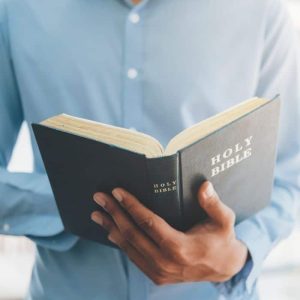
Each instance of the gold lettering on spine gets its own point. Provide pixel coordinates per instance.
(165, 187)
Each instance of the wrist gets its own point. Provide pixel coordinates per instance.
(241, 255)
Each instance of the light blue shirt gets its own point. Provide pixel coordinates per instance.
(158, 67)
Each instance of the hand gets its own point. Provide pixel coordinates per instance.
(207, 252)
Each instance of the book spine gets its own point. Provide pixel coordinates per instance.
(164, 188)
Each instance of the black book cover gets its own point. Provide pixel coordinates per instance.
(238, 159)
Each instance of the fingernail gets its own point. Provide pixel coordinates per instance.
(209, 191)
(99, 199)
(117, 195)
(97, 218)
(111, 239)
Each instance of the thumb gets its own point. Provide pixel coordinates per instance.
(214, 207)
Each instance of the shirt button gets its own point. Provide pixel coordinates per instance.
(134, 18)
(6, 227)
(132, 73)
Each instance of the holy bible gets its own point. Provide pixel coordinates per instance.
(235, 150)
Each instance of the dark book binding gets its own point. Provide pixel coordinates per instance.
(238, 159)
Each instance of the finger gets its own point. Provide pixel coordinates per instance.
(115, 236)
(127, 228)
(151, 223)
(214, 207)
(114, 233)
(144, 264)
(133, 254)
(108, 224)
(157, 228)
(104, 221)
(151, 268)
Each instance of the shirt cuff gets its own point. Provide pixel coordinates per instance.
(28, 209)
(63, 241)
(258, 244)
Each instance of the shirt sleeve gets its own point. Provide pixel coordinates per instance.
(279, 73)
(27, 205)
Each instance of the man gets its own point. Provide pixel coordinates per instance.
(157, 67)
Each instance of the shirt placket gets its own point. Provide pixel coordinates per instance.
(132, 70)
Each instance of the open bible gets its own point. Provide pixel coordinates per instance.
(234, 149)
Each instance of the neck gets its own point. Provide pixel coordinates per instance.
(135, 2)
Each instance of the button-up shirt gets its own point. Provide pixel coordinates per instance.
(156, 67)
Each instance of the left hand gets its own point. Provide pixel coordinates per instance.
(207, 252)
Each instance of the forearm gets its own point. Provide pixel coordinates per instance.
(261, 233)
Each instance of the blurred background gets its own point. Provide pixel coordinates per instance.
(280, 279)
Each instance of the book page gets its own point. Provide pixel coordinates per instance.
(121, 137)
(145, 144)
(204, 128)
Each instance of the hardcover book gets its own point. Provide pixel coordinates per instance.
(235, 150)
